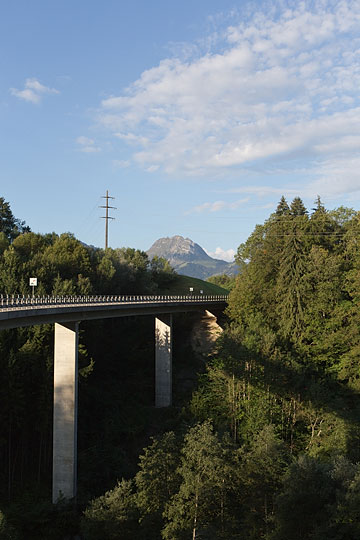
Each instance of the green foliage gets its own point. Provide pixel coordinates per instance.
(297, 207)
(304, 504)
(224, 281)
(7, 532)
(199, 508)
(10, 225)
(268, 446)
(112, 516)
(283, 207)
(347, 518)
(261, 470)
(162, 272)
(290, 358)
(65, 266)
(291, 289)
(33, 516)
(319, 500)
(4, 242)
(180, 285)
(157, 481)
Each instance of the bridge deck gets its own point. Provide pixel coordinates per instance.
(16, 311)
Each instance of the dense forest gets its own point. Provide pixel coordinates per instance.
(266, 442)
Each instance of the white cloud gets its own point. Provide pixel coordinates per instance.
(265, 191)
(217, 206)
(87, 145)
(85, 141)
(121, 163)
(282, 88)
(33, 91)
(333, 179)
(336, 177)
(223, 254)
(152, 168)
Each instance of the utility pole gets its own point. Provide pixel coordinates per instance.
(107, 217)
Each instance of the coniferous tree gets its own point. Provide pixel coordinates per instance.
(291, 287)
(323, 228)
(283, 207)
(262, 468)
(305, 503)
(157, 481)
(319, 207)
(4, 242)
(113, 515)
(297, 207)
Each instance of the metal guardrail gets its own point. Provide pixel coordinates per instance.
(16, 301)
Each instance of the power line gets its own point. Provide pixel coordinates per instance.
(107, 217)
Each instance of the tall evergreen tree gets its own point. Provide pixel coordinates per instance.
(282, 207)
(319, 207)
(297, 207)
(291, 288)
(323, 228)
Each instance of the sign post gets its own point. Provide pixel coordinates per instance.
(33, 284)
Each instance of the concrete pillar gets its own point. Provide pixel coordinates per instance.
(163, 361)
(65, 410)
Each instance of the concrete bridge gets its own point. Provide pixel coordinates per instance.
(66, 313)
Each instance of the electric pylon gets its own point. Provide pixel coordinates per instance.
(107, 217)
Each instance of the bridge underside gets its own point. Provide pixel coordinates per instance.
(67, 314)
(66, 318)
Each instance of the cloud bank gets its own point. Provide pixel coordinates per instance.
(87, 145)
(281, 87)
(217, 206)
(222, 254)
(33, 91)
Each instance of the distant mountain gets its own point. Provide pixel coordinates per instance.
(189, 259)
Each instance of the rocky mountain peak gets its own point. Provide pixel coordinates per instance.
(188, 258)
(177, 247)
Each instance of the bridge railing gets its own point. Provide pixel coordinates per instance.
(16, 301)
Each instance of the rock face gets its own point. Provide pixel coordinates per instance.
(188, 258)
(205, 332)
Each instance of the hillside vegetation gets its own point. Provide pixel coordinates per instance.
(182, 284)
(265, 446)
(272, 442)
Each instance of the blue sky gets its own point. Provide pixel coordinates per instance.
(195, 115)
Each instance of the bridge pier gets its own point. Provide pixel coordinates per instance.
(163, 360)
(16, 312)
(65, 410)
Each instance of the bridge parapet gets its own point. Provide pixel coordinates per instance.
(17, 301)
